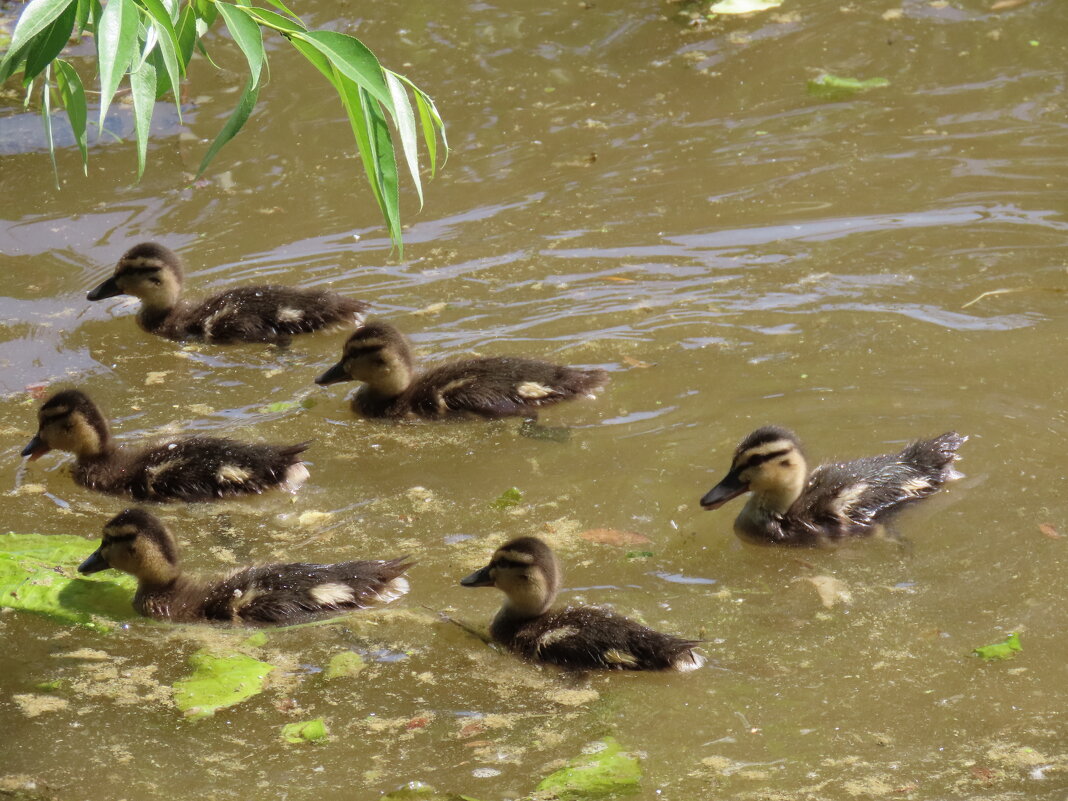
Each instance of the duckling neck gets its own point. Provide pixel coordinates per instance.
(154, 315)
(521, 609)
(390, 383)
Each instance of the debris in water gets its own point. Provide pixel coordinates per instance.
(307, 731)
(218, 682)
(1007, 649)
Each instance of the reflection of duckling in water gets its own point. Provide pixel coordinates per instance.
(153, 274)
(191, 469)
(135, 542)
(791, 506)
(500, 386)
(579, 638)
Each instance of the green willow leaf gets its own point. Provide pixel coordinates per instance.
(385, 166)
(81, 17)
(429, 136)
(46, 116)
(276, 21)
(247, 35)
(168, 43)
(352, 58)
(72, 95)
(186, 31)
(143, 84)
(237, 120)
(116, 40)
(37, 16)
(49, 43)
(282, 7)
(405, 119)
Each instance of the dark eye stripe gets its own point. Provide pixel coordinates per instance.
(760, 458)
(353, 352)
(508, 563)
(138, 270)
(109, 540)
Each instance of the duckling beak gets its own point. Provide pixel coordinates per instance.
(94, 564)
(480, 578)
(333, 375)
(108, 289)
(730, 487)
(36, 449)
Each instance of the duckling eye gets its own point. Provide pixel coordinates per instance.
(155, 281)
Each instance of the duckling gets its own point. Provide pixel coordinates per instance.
(578, 638)
(190, 469)
(137, 543)
(501, 386)
(153, 274)
(791, 506)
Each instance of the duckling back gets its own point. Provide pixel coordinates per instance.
(853, 498)
(591, 638)
(291, 593)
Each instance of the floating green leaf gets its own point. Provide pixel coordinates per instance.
(831, 86)
(279, 406)
(605, 771)
(347, 663)
(218, 682)
(38, 573)
(743, 6)
(639, 554)
(1006, 649)
(510, 497)
(307, 731)
(255, 640)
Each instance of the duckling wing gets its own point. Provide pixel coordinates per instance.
(498, 387)
(270, 314)
(206, 468)
(851, 496)
(290, 593)
(590, 638)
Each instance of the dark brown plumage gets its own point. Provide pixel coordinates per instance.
(504, 386)
(789, 506)
(153, 273)
(189, 469)
(136, 542)
(577, 638)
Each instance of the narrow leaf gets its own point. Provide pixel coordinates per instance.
(49, 43)
(143, 84)
(276, 21)
(72, 95)
(186, 31)
(116, 39)
(353, 60)
(237, 120)
(37, 16)
(386, 165)
(317, 59)
(168, 41)
(207, 11)
(405, 119)
(282, 6)
(429, 136)
(81, 17)
(46, 117)
(247, 35)
(350, 93)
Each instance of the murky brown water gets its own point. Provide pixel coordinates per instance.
(668, 203)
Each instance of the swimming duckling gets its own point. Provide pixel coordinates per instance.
(578, 638)
(137, 543)
(791, 506)
(500, 386)
(153, 273)
(189, 469)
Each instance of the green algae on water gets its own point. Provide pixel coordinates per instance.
(218, 682)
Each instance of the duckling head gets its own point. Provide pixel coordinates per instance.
(768, 463)
(526, 571)
(149, 272)
(136, 542)
(69, 421)
(377, 354)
